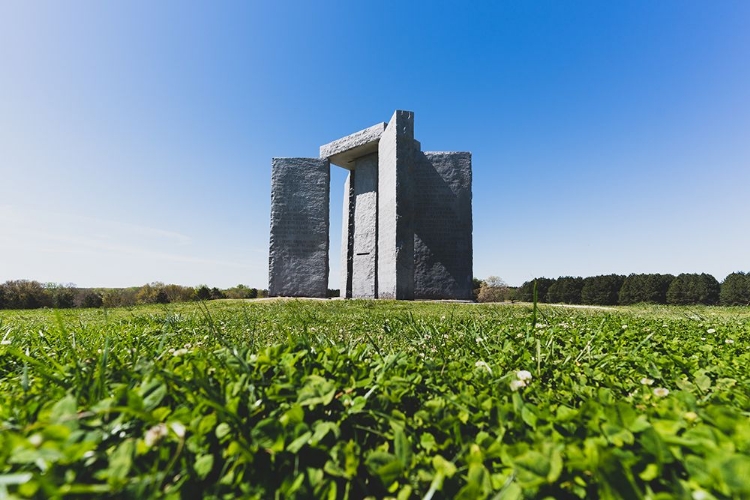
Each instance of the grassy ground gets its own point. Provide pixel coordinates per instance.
(343, 399)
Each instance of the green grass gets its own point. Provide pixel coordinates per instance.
(345, 399)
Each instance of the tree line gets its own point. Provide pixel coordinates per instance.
(25, 294)
(616, 289)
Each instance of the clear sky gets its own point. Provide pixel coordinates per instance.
(136, 137)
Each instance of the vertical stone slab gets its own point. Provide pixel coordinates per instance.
(347, 237)
(298, 255)
(396, 151)
(364, 266)
(443, 257)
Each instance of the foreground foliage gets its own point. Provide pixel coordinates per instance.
(354, 399)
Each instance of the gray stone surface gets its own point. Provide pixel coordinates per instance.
(443, 263)
(298, 255)
(396, 151)
(365, 210)
(347, 238)
(406, 225)
(344, 152)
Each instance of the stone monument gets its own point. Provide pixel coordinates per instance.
(407, 223)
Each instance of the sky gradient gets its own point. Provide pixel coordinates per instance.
(136, 137)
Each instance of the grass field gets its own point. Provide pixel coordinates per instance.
(349, 399)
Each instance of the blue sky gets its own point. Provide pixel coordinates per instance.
(136, 137)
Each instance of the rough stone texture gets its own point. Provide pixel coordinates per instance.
(347, 238)
(443, 264)
(365, 210)
(406, 226)
(298, 256)
(396, 151)
(345, 151)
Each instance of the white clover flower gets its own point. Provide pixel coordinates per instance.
(624, 327)
(701, 495)
(178, 429)
(519, 335)
(483, 364)
(154, 434)
(711, 330)
(179, 352)
(523, 375)
(36, 440)
(479, 340)
(661, 392)
(517, 384)
(729, 341)
(647, 381)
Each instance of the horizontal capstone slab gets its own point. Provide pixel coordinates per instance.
(343, 152)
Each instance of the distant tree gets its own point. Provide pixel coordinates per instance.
(217, 294)
(494, 289)
(476, 285)
(565, 290)
(602, 290)
(241, 292)
(60, 296)
(161, 297)
(2, 296)
(177, 293)
(25, 294)
(709, 289)
(146, 294)
(645, 288)
(525, 292)
(88, 298)
(119, 297)
(152, 293)
(688, 289)
(735, 290)
(262, 294)
(203, 293)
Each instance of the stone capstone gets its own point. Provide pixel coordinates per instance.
(344, 152)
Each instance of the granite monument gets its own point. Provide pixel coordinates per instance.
(406, 225)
